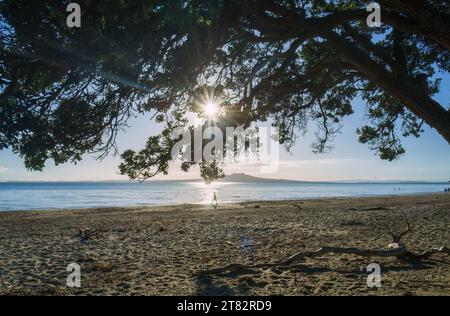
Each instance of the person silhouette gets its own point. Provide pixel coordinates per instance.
(214, 201)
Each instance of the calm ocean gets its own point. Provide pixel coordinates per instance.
(45, 196)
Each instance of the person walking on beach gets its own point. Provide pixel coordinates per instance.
(214, 201)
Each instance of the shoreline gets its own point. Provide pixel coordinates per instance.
(230, 203)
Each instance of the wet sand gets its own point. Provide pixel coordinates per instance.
(160, 250)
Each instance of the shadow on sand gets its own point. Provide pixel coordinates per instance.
(217, 284)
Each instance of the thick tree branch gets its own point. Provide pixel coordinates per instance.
(433, 25)
(423, 19)
(407, 90)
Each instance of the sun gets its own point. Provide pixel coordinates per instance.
(211, 109)
(209, 106)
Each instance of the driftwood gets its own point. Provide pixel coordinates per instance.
(397, 237)
(395, 252)
(396, 249)
(429, 253)
(400, 252)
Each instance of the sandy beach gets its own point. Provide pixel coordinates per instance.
(161, 250)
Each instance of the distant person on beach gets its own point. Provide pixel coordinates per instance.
(214, 201)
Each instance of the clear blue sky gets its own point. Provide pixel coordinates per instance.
(427, 158)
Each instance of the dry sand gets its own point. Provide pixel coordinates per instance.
(159, 250)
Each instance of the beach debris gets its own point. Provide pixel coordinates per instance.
(393, 226)
(86, 234)
(352, 222)
(395, 245)
(400, 252)
(397, 248)
(233, 268)
(100, 267)
(376, 208)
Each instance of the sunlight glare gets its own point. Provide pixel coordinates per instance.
(211, 109)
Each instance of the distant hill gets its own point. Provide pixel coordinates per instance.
(363, 181)
(242, 177)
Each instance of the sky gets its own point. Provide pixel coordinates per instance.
(427, 158)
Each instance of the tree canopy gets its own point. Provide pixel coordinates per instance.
(67, 91)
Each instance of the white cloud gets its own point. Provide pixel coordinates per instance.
(4, 170)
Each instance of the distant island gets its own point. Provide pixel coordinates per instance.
(242, 177)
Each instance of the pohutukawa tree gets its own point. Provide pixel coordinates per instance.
(67, 91)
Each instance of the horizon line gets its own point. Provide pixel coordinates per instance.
(349, 181)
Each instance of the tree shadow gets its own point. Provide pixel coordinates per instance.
(207, 286)
(214, 283)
